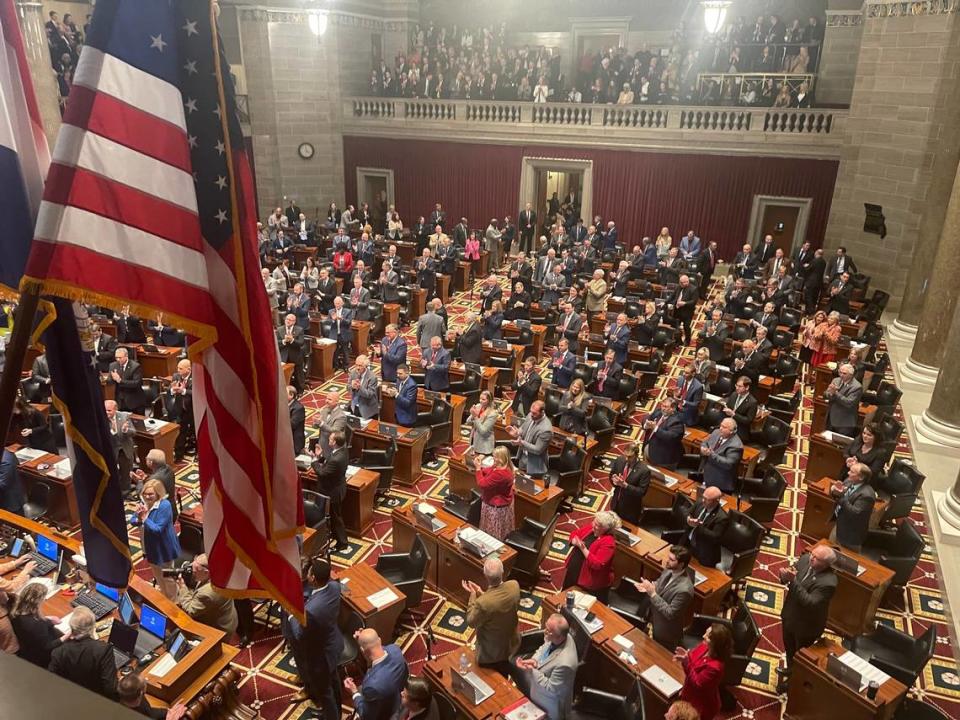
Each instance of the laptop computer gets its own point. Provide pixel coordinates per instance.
(470, 686)
(843, 672)
(47, 555)
(123, 639)
(153, 630)
(101, 601)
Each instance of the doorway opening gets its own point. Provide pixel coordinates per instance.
(540, 178)
(375, 187)
(559, 192)
(782, 217)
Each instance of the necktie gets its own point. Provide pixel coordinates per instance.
(683, 392)
(718, 443)
(356, 295)
(566, 323)
(736, 403)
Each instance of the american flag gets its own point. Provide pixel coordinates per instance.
(148, 204)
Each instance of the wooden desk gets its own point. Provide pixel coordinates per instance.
(484, 263)
(819, 423)
(488, 376)
(613, 624)
(360, 330)
(300, 253)
(540, 507)
(628, 559)
(823, 376)
(443, 288)
(288, 369)
(321, 359)
(559, 438)
(63, 498)
(511, 330)
(406, 528)
(391, 314)
(159, 364)
(359, 500)
(813, 691)
(193, 672)
(406, 250)
(418, 302)
(364, 581)
(489, 351)
(693, 436)
(635, 353)
(708, 595)
(825, 458)
(461, 275)
(159, 434)
(454, 565)
(438, 674)
(408, 461)
(818, 511)
(424, 404)
(853, 608)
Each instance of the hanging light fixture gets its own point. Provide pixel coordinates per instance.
(317, 20)
(714, 14)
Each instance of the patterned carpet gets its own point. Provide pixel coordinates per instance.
(270, 681)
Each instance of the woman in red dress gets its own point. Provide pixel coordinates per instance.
(704, 670)
(590, 563)
(496, 491)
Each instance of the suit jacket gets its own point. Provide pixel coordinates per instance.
(618, 340)
(745, 265)
(689, 407)
(388, 286)
(527, 222)
(319, 641)
(647, 327)
(332, 474)
(720, 468)
(563, 368)
(840, 302)
(668, 608)
(833, 267)
(491, 326)
(471, 344)
(357, 297)
(367, 398)
(292, 352)
(573, 323)
(490, 297)
(341, 329)
(704, 540)
(298, 421)
(437, 376)
(688, 295)
(105, 349)
(665, 444)
(11, 490)
(301, 309)
(120, 440)
(764, 252)
(87, 662)
(180, 407)
(807, 604)
(129, 391)
(494, 616)
(611, 382)
(771, 270)
(843, 408)
(627, 502)
(405, 403)
(527, 389)
(329, 420)
(209, 607)
(852, 513)
(689, 247)
(596, 295)
(768, 320)
(379, 697)
(535, 436)
(551, 684)
(744, 413)
(429, 326)
(753, 366)
(392, 354)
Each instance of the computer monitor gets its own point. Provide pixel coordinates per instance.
(123, 637)
(153, 621)
(127, 612)
(47, 547)
(178, 645)
(108, 592)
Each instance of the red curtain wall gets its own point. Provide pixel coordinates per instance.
(641, 191)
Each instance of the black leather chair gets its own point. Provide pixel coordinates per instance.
(466, 508)
(581, 639)
(602, 424)
(351, 649)
(764, 494)
(791, 317)
(899, 505)
(315, 514)
(584, 372)
(887, 395)
(38, 500)
(899, 655)
(469, 388)
(629, 603)
(380, 460)
(191, 543)
(899, 549)
(594, 704)
(741, 331)
(786, 365)
(440, 422)
(784, 407)
(504, 367)
(551, 401)
(880, 366)
(912, 709)
(648, 371)
(446, 710)
(711, 416)
(666, 521)
(531, 541)
(723, 385)
(665, 340)
(782, 340)
(408, 571)
(565, 469)
(901, 477)
(740, 546)
(773, 436)
(628, 391)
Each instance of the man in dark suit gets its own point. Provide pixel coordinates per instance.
(426, 269)
(331, 479)
(11, 490)
(460, 232)
(767, 318)
(630, 478)
(392, 351)
(568, 326)
(663, 433)
(563, 363)
(840, 291)
(609, 373)
(528, 227)
(341, 320)
(127, 376)
(802, 259)
(618, 338)
(721, 452)
(706, 525)
(292, 344)
(747, 361)
(436, 363)
(708, 264)
(813, 282)
(490, 293)
(178, 403)
(840, 263)
(689, 393)
(526, 387)
(805, 608)
(471, 341)
(855, 500)
(298, 420)
(318, 644)
(438, 216)
(684, 302)
(745, 263)
(359, 299)
(104, 346)
(742, 407)
(379, 696)
(405, 397)
(121, 440)
(765, 250)
(83, 659)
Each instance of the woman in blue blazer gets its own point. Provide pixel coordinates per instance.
(160, 544)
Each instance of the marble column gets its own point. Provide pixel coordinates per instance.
(38, 57)
(941, 298)
(940, 423)
(948, 508)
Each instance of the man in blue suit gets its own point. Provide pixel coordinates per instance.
(298, 303)
(341, 319)
(618, 338)
(393, 353)
(563, 363)
(663, 433)
(689, 393)
(11, 491)
(610, 237)
(721, 454)
(405, 397)
(318, 644)
(689, 246)
(378, 698)
(436, 362)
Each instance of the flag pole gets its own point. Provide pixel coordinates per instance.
(15, 353)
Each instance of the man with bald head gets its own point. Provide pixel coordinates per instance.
(292, 344)
(121, 440)
(547, 677)
(127, 377)
(720, 457)
(493, 613)
(706, 524)
(178, 403)
(392, 352)
(618, 338)
(533, 439)
(810, 588)
(471, 340)
(330, 418)
(378, 698)
(843, 402)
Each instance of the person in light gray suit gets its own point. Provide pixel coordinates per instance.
(533, 438)
(483, 417)
(429, 326)
(720, 456)
(547, 677)
(330, 418)
(855, 500)
(553, 283)
(364, 389)
(492, 243)
(670, 597)
(843, 402)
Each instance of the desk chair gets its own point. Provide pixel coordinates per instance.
(764, 494)
(316, 515)
(440, 422)
(594, 704)
(791, 318)
(898, 549)
(446, 710)
(531, 541)
(469, 388)
(887, 395)
(38, 500)
(741, 331)
(784, 407)
(880, 366)
(466, 508)
(740, 546)
(551, 402)
(773, 436)
(711, 417)
(629, 603)
(723, 385)
(582, 641)
(380, 461)
(899, 655)
(901, 477)
(408, 571)
(911, 709)
(601, 425)
(191, 543)
(504, 367)
(628, 392)
(351, 650)
(664, 522)
(584, 372)
(565, 469)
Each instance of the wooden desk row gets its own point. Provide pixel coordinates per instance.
(559, 438)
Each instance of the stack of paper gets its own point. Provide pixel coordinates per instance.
(582, 600)
(591, 625)
(382, 598)
(867, 671)
(26, 454)
(523, 709)
(61, 469)
(64, 625)
(163, 665)
(352, 470)
(698, 577)
(656, 676)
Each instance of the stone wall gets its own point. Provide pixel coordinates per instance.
(838, 58)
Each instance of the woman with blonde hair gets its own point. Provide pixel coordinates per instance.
(663, 242)
(482, 418)
(574, 404)
(495, 482)
(590, 562)
(36, 634)
(810, 344)
(828, 333)
(160, 544)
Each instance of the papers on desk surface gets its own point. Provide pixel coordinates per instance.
(523, 709)
(658, 677)
(698, 577)
(833, 437)
(27, 454)
(583, 601)
(324, 341)
(352, 470)
(63, 627)
(164, 665)
(60, 469)
(382, 598)
(479, 537)
(48, 584)
(712, 398)
(592, 626)
(867, 671)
